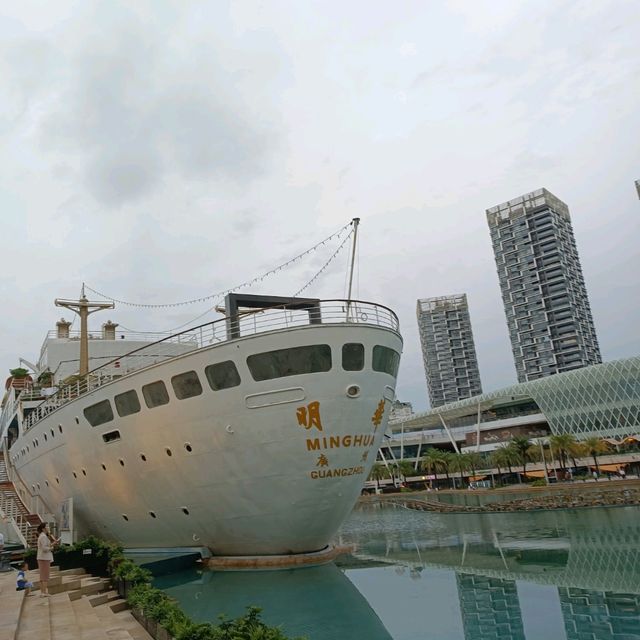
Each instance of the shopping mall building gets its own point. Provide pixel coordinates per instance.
(601, 400)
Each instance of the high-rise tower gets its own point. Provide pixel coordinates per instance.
(543, 290)
(448, 351)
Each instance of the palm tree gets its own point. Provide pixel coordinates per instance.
(593, 446)
(378, 472)
(503, 456)
(474, 461)
(447, 465)
(520, 446)
(433, 461)
(404, 468)
(459, 463)
(565, 445)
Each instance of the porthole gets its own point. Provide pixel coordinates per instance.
(168, 452)
(75, 475)
(77, 420)
(53, 433)
(188, 447)
(57, 480)
(121, 461)
(60, 428)
(143, 457)
(153, 514)
(104, 468)
(353, 391)
(185, 511)
(45, 436)
(38, 486)
(46, 483)
(84, 472)
(33, 488)
(125, 517)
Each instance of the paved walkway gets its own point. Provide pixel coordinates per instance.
(80, 608)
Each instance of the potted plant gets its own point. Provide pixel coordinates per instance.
(19, 379)
(45, 379)
(127, 574)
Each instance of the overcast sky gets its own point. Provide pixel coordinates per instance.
(161, 151)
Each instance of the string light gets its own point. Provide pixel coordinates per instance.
(325, 265)
(221, 294)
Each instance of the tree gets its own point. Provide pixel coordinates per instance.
(593, 446)
(447, 463)
(474, 461)
(520, 445)
(378, 472)
(565, 445)
(404, 469)
(459, 463)
(433, 461)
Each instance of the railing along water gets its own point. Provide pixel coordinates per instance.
(208, 334)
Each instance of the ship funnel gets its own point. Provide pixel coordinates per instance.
(62, 327)
(109, 330)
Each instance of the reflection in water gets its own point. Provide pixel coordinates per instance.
(319, 602)
(591, 557)
(524, 576)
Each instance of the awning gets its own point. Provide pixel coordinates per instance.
(535, 474)
(612, 468)
(476, 478)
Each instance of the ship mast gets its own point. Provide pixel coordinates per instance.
(83, 308)
(355, 222)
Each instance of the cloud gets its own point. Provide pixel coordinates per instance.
(128, 109)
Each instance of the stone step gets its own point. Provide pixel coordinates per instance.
(89, 586)
(63, 617)
(122, 620)
(89, 625)
(34, 619)
(119, 605)
(105, 597)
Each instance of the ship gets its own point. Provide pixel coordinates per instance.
(250, 435)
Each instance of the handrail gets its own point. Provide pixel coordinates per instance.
(252, 322)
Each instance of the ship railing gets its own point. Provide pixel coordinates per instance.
(277, 318)
(11, 403)
(32, 501)
(126, 334)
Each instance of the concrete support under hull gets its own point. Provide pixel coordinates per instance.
(274, 563)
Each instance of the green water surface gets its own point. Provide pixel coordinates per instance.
(553, 575)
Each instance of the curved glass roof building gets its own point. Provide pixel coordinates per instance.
(600, 400)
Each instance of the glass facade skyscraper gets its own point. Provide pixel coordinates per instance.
(448, 350)
(543, 289)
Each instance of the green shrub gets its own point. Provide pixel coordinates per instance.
(157, 606)
(540, 482)
(131, 572)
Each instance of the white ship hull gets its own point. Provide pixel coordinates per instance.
(242, 471)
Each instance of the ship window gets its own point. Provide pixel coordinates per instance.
(222, 375)
(127, 403)
(290, 362)
(352, 356)
(186, 385)
(386, 360)
(99, 413)
(111, 436)
(155, 394)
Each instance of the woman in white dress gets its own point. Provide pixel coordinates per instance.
(44, 557)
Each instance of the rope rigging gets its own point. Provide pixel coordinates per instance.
(248, 283)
